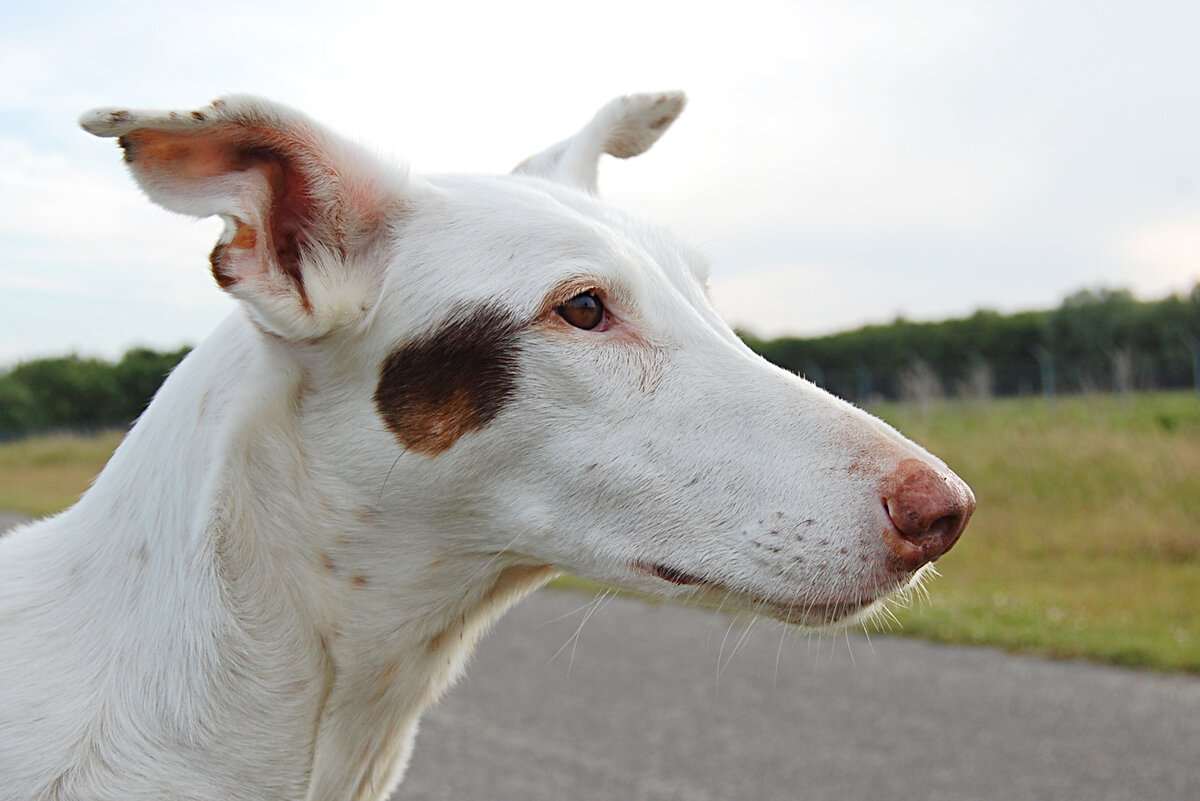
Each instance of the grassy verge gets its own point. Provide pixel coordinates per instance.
(1086, 542)
(44, 475)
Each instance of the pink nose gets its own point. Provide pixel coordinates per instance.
(928, 508)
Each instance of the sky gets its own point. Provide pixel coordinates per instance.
(839, 163)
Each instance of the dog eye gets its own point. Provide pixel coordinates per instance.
(585, 311)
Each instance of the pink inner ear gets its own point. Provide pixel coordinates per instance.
(289, 220)
(185, 157)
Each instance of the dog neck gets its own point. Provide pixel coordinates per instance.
(335, 629)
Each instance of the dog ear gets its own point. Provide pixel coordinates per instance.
(624, 128)
(300, 204)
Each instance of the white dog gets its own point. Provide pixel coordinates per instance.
(437, 394)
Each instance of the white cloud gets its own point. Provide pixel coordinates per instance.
(918, 157)
(1165, 253)
(793, 299)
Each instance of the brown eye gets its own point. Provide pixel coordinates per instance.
(585, 311)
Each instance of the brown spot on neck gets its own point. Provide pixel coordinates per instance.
(452, 382)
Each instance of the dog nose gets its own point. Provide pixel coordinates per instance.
(928, 509)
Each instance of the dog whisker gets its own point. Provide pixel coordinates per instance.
(563, 617)
(573, 640)
(383, 486)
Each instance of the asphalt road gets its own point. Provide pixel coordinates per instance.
(8, 520)
(642, 712)
(635, 708)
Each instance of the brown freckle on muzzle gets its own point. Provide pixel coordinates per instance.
(452, 382)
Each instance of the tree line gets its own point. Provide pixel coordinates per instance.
(72, 393)
(1096, 340)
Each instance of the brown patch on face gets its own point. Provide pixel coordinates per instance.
(433, 391)
(327, 562)
(358, 580)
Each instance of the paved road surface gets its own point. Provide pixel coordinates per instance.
(643, 716)
(8, 520)
(642, 713)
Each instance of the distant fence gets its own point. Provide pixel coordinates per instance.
(1096, 341)
(1124, 370)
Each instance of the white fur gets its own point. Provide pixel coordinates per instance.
(263, 589)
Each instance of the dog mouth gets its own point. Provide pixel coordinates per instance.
(796, 611)
(671, 574)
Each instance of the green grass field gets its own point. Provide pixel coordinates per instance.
(1086, 540)
(1085, 544)
(45, 475)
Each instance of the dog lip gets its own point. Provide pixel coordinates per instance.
(671, 574)
(816, 614)
(796, 611)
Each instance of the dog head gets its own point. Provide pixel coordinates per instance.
(540, 379)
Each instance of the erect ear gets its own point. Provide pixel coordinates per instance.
(302, 207)
(624, 128)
